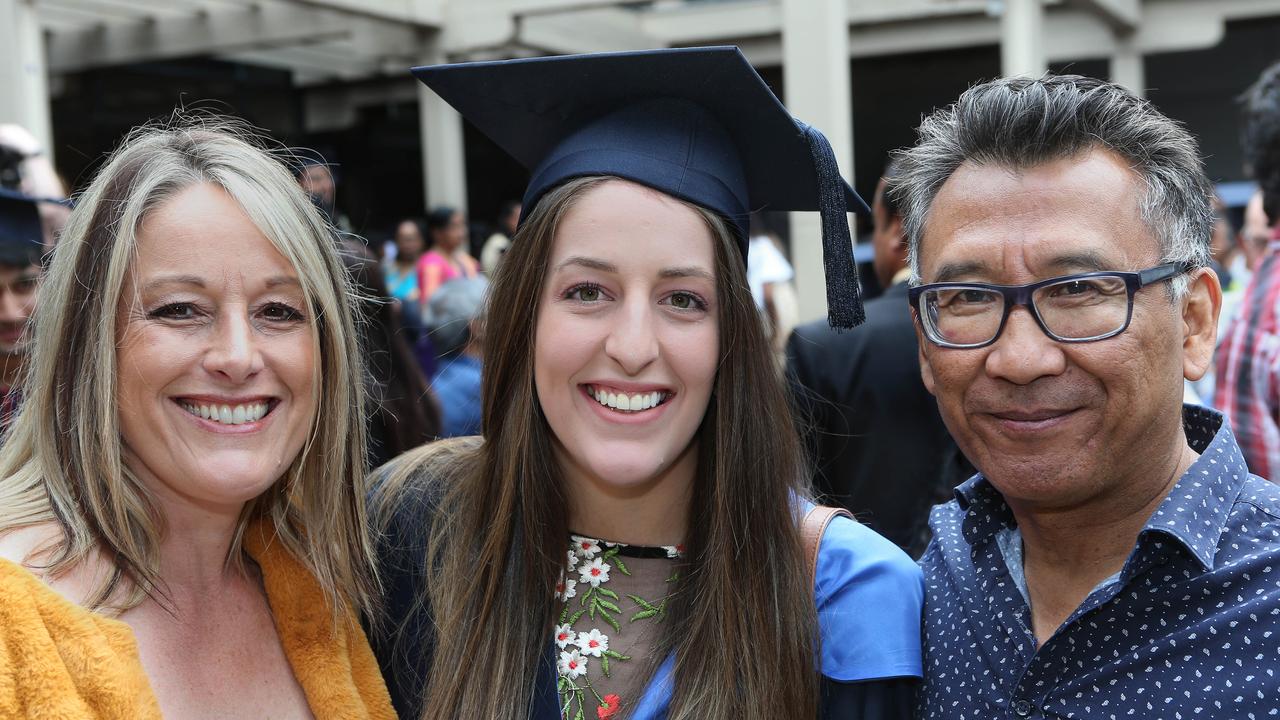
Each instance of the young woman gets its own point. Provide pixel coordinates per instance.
(182, 529)
(623, 540)
(446, 257)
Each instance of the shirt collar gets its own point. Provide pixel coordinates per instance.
(1194, 513)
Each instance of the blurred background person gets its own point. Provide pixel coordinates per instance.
(496, 246)
(401, 275)
(874, 432)
(317, 180)
(181, 495)
(402, 411)
(30, 221)
(1247, 361)
(769, 275)
(454, 320)
(446, 257)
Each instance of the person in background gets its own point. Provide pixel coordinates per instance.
(879, 446)
(182, 525)
(30, 220)
(1247, 388)
(401, 276)
(496, 246)
(770, 275)
(1113, 556)
(446, 257)
(318, 182)
(455, 324)
(403, 413)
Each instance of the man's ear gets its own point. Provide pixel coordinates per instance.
(900, 246)
(926, 370)
(1200, 310)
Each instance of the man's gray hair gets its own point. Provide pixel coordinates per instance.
(1020, 123)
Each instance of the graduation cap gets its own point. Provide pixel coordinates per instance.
(21, 233)
(698, 124)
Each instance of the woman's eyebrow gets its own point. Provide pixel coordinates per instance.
(587, 262)
(163, 280)
(686, 271)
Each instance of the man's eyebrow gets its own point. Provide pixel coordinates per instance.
(951, 271)
(587, 262)
(1085, 261)
(686, 271)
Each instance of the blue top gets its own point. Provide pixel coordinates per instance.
(869, 595)
(457, 387)
(1188, 628)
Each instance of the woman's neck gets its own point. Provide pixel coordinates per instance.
(654, 512)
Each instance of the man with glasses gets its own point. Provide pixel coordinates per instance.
(1113, 557)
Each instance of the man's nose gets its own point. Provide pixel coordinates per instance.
(1024, 353)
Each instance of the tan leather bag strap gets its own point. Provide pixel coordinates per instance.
(811, 530)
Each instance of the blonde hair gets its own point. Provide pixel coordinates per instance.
(63, 458)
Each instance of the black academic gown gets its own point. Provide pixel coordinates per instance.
(402, 638)
(879, 445)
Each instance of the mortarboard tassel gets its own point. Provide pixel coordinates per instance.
(844, 296)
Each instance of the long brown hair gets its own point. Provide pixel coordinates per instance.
(741, 625)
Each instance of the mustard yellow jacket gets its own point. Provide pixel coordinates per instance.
(58, 660)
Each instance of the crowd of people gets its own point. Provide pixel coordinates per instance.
(254, 465)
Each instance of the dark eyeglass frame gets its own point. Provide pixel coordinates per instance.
(1015, 295)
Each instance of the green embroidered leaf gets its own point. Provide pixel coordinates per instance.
(644, 615)
(609, 619)
(604, 665)
(616, 655)
(608, 593)
(608, 606)
(593, 611)
(621, 566)
(645, 604)
(674, 577)
(573, 619)
(578, 715)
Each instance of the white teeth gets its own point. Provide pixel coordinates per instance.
(226, 414)
(628, 403)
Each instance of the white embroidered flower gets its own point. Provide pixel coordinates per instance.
(674, 551)
(564, 636)
(572, 664)
(594, 572)
(585, 546)
(566, 589)
(592, 643)
(573, 559)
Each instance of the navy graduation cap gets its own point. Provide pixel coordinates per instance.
(21, 233)
(696, 123)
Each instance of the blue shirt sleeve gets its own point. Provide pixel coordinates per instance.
(870, 598)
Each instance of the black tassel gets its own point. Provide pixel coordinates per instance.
(844, 296)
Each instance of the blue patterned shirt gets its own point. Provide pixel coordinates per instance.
(1189, 628)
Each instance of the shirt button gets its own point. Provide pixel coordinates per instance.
(1022, 708)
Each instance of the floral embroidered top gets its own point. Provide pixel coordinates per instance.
(614, 599)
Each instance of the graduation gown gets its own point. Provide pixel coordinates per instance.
(869, 596)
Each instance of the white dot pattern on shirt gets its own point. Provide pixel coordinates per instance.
(1192, 630)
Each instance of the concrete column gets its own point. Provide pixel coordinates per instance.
(444, 163)
(1127, 67)
(24, 84)
(1022, 38)
(815, 71)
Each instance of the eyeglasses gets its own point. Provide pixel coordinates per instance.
(1072, 308)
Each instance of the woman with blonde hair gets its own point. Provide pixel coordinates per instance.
(181, 522)
(630, 537)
